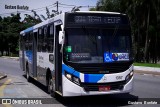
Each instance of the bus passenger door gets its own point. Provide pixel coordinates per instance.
(34, 54)
(58, 61)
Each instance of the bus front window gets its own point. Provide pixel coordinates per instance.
(90, 45)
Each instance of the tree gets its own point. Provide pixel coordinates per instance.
(108, 5)
(1, 24)
(92, 9)
(0, 19)
(2, 43)
(11, 26)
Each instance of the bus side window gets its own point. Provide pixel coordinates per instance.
(21, 42)
(30, 40)
(26, 41)
(39, 40)
(50, 39)
(44, 39)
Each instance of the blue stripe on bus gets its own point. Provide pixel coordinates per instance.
(92, 78)
(88, 78)
(70, 70)
(58, 21)
(29, 29)
(32, 28)
(29, 55)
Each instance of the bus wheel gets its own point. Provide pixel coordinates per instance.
(27, 74)
(51, 89)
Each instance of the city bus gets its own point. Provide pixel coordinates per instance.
(79, 53)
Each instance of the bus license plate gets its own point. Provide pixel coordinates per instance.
(104, 88)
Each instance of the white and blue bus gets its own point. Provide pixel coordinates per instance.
(80, 53)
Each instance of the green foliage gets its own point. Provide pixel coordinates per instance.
(108, 5)
(0, 18)
(10, 28)
(147, 65)
(92, 9)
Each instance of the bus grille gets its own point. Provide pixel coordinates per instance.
(104, 70)
(95, 86)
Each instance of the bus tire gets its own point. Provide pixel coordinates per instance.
(27, 74)
(50, 87)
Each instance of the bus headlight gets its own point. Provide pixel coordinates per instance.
(131, 73)
(69, 76)
(129, 76)
(72, 78)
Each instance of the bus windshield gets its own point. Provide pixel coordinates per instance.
(97, 45)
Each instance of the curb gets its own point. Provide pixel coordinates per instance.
(146, 72)
(147, 69)
(14, 58)
(3, 76)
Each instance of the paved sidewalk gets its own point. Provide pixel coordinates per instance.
(147, 70)
(14, 58)
(142, 68)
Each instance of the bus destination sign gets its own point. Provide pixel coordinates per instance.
(97, 19)
(78, 19)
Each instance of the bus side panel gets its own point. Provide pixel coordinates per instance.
(43, 65)
(41, 71)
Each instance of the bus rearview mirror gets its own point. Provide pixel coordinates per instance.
(61, 37)
(51, 58)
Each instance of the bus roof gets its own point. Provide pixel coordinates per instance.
(47, 21)
(35, 26)
(105, 12)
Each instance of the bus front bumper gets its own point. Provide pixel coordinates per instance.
(71, 89)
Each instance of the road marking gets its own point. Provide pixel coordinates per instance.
(2, 89)
(3, 86)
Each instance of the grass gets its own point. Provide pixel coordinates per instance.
(14, 55)
(147, 64)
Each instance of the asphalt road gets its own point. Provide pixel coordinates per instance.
(146, 88)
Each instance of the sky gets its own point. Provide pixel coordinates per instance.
(40, 5)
